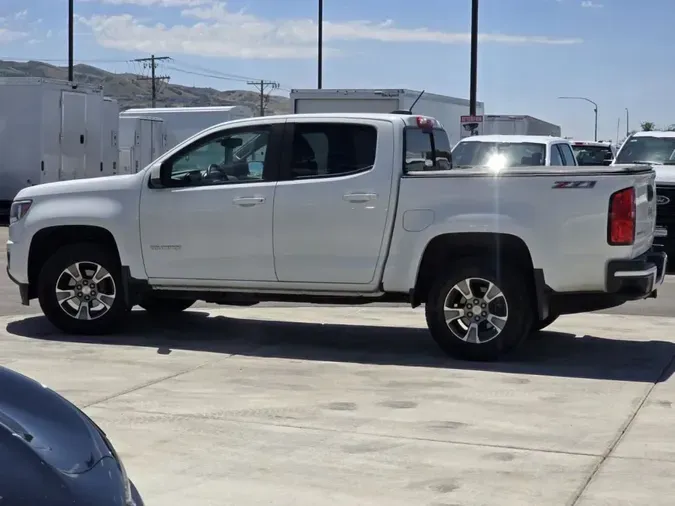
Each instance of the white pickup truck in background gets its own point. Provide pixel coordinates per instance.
(502, 151)
(656, 149)
(326, 208)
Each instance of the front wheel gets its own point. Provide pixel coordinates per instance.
(476, 313)
(80, 290)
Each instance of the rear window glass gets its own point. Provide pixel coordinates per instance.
(509, 154)
(591, 155)
(427, 150)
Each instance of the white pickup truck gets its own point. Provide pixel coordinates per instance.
(506, 151)
(337, 208)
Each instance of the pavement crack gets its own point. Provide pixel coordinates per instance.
(152, 382)
(221, 418)
(574, 500)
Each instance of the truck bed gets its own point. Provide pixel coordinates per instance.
(538, 170)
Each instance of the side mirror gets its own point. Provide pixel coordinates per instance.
(609, 158)
(165, 174)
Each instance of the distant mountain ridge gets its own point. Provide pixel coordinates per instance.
(133, 92)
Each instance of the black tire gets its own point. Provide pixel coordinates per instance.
(516, 294)
(50, 274)
(542, 324)
(168, 305)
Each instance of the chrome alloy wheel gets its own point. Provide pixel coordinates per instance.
(85, 291)
(475, 310)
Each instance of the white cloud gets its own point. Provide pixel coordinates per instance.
(590, 4)
(222, 33)
(7, 35)
(155, 3)
(21, 15)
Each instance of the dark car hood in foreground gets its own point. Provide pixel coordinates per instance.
(52, 454)
(50, 425)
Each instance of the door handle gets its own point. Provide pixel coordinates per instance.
(248, 201)
(359, 197)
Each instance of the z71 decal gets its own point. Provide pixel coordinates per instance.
(574, 184)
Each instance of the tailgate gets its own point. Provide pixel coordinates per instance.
(645, 212)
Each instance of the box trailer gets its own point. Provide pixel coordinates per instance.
(50, 130)
(110, 126)
(447, 110)
(499, 124)
(181, 123)
(142, 140)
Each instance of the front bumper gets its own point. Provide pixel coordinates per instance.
(637, 278)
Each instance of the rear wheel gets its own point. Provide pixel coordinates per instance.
(475, 313)
(161, 305)
(80, 290)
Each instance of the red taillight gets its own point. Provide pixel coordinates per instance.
(621, 221)
(426, 124)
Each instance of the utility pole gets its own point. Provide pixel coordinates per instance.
(320, 48)
(262, 86)
(627, 125)
(474, 58)
(153, 77)
(71, 30)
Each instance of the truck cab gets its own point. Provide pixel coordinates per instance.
(507, 151)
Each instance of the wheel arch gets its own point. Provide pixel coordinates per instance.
(48, 240)
(443, 249)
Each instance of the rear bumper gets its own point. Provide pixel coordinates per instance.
(637, 278)
(627, 280)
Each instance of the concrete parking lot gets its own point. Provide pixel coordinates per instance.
(296, 405)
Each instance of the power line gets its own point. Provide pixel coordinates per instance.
(217, 72)
(153, 77)
(262, 86)
(204, 74)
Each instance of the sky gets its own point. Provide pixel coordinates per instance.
(613, 52)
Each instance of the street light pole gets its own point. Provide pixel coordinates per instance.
(627, 127)
(70, 40)
(320, 48)
(474, 58)
(595, 110)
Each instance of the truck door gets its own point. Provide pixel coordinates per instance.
(73, 135)
(214, 221)
(332, 204)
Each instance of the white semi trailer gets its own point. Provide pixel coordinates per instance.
(52, 130)
(142, 140)
(502, 124)
(447, 110)
(181, 123)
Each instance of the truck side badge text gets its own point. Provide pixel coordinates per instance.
(574, 184)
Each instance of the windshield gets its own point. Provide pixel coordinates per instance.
(659, 150)
(509, 154)
(592, 155)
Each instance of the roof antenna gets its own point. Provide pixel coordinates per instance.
(409, 111)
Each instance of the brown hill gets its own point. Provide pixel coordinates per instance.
(131, 91)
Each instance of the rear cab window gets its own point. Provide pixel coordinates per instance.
(426, 150)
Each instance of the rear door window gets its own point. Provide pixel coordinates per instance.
(332, 149)
(427, 150)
